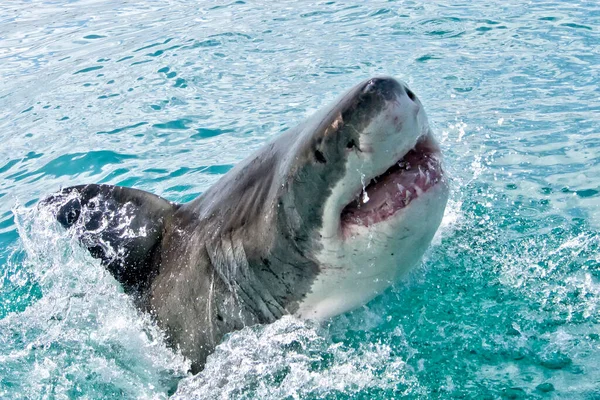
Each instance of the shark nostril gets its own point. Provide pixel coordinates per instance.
(411, 95)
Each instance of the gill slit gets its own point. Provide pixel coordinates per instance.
(211, 292)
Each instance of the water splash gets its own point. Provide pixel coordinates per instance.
(297, 360)
(83, 336)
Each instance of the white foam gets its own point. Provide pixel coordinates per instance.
(83, 333)
(295, 359)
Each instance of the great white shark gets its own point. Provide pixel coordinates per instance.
(319, 221)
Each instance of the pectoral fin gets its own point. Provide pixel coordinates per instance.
(121, 226)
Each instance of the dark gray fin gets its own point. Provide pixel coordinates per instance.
(121, 226)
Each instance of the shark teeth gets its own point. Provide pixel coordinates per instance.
(404, 182)
(407, 198)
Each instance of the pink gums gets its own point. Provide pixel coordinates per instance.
(419, 170)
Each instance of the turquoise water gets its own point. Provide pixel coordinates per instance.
(167, 96)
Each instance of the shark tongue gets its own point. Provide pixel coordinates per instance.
(414, 174)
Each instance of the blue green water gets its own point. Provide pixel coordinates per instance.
(167, 96)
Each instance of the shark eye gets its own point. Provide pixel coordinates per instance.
(351, 144)
(320, 157)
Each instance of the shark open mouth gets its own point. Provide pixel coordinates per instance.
(418, 171)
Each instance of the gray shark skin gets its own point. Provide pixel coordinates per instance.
(319, 221)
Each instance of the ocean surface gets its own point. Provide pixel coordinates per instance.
(166, 96)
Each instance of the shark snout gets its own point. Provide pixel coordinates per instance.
(391, 90)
